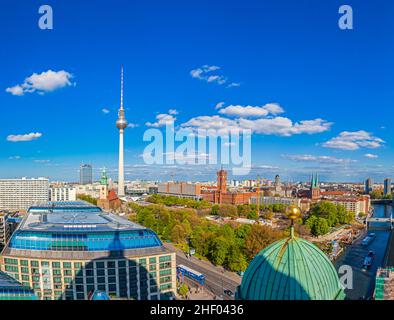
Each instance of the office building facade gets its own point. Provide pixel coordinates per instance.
(69, 250)
(20, 194)
(85, 174)
(368, 185)
(387, 186)
(63, 193)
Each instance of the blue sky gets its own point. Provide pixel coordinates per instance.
(283, 52)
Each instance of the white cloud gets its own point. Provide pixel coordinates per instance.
(267, 167)
(319, 159)
(14, 158)
(250, 111)
(268, 126)
(354, 140)
(217, 123)
(15, 90)
(371, 156)
(24, 137)
(206, 73)
(162, 120)
(44, 82)
(41, 161)
(282, 126)
(132, 125)
(172, 112)
(105, 110)
(219, 105)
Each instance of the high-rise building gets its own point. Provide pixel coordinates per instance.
(20, 194)
(69, 250)
(368, 185)
(277, 184)
(387, 186)
(121, 124)
(85, 174)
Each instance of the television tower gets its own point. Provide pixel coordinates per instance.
(121, 124)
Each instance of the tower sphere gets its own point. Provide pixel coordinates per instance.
(121, 123)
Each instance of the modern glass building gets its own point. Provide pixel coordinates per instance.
(67, 250)
(10, 289)
(85, 174)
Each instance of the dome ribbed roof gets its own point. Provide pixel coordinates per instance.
(291, 269)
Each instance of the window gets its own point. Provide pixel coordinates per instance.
(67, 265)
(165, 279)
(11, 268)
(165, 265)
(55, 264)
(24, 263)
(166, 286)
(10, 261)
(165, 272)
(152, 260)
(121, 264)
(34, 263)
(164, 258)
(24, 270)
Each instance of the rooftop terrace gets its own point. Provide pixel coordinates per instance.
(78, 227)
(73, 216)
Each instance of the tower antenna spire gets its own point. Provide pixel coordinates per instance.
(121, 88)
(121, 124)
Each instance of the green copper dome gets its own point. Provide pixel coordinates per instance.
(291, 269)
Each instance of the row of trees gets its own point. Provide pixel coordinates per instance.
(379, 194)
(247, 210)
(324, 215)
(87, 198)
(171, 201)
(224, 210)
(230, 245)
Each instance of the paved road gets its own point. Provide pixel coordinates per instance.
(364, 280)
(216, 279)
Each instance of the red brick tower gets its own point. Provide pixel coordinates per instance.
(221, 184)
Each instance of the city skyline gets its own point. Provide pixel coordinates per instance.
(304, 87)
